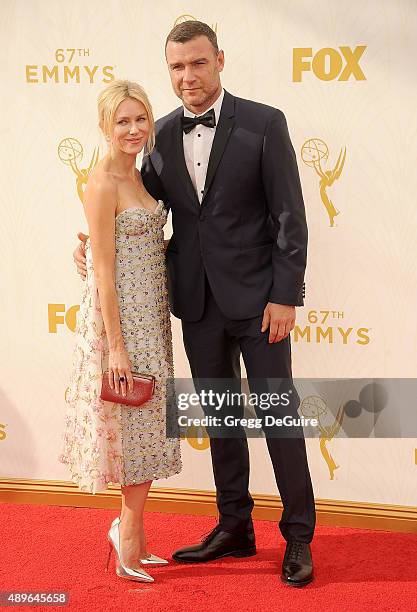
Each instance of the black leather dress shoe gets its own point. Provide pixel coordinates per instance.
(297, 567)
(217, 544)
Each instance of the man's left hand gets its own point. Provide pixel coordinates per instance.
(280, 319)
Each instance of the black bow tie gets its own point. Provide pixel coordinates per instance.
(208, 119)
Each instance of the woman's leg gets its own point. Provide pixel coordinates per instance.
(132, 540)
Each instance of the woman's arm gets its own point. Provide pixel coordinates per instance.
(100, 200)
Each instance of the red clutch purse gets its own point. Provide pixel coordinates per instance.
(143, 390)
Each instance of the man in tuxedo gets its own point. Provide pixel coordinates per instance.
(227, 170)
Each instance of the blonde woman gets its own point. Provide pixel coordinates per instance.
(123, 327)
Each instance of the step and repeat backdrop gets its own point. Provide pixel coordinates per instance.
(344, 75)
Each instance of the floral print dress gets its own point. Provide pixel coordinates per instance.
(114, 443)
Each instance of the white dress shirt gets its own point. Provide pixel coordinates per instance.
(197, 147)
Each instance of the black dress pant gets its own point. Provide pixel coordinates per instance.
(213, 346)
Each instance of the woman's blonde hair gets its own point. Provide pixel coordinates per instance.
(110, 98)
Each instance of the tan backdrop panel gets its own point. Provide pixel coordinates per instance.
(343, 73)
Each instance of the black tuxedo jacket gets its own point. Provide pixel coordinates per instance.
(249, 235)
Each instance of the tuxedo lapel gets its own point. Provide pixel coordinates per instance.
(223, 130)
(179, 159)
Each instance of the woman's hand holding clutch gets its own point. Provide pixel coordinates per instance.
(120, 371)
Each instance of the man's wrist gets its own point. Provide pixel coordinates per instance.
(277, 297)
(281, 304)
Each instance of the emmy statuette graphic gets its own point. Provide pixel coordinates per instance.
(70, 152)
(315, 407)
(313, 152)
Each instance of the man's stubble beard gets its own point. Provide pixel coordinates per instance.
(202, 100)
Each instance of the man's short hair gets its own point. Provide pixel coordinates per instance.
(187, 30)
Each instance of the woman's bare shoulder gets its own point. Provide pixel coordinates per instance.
(101, 182)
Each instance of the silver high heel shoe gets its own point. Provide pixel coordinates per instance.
(122, 570)
(150, 559)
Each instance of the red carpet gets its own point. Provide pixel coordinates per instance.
(46, 548)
